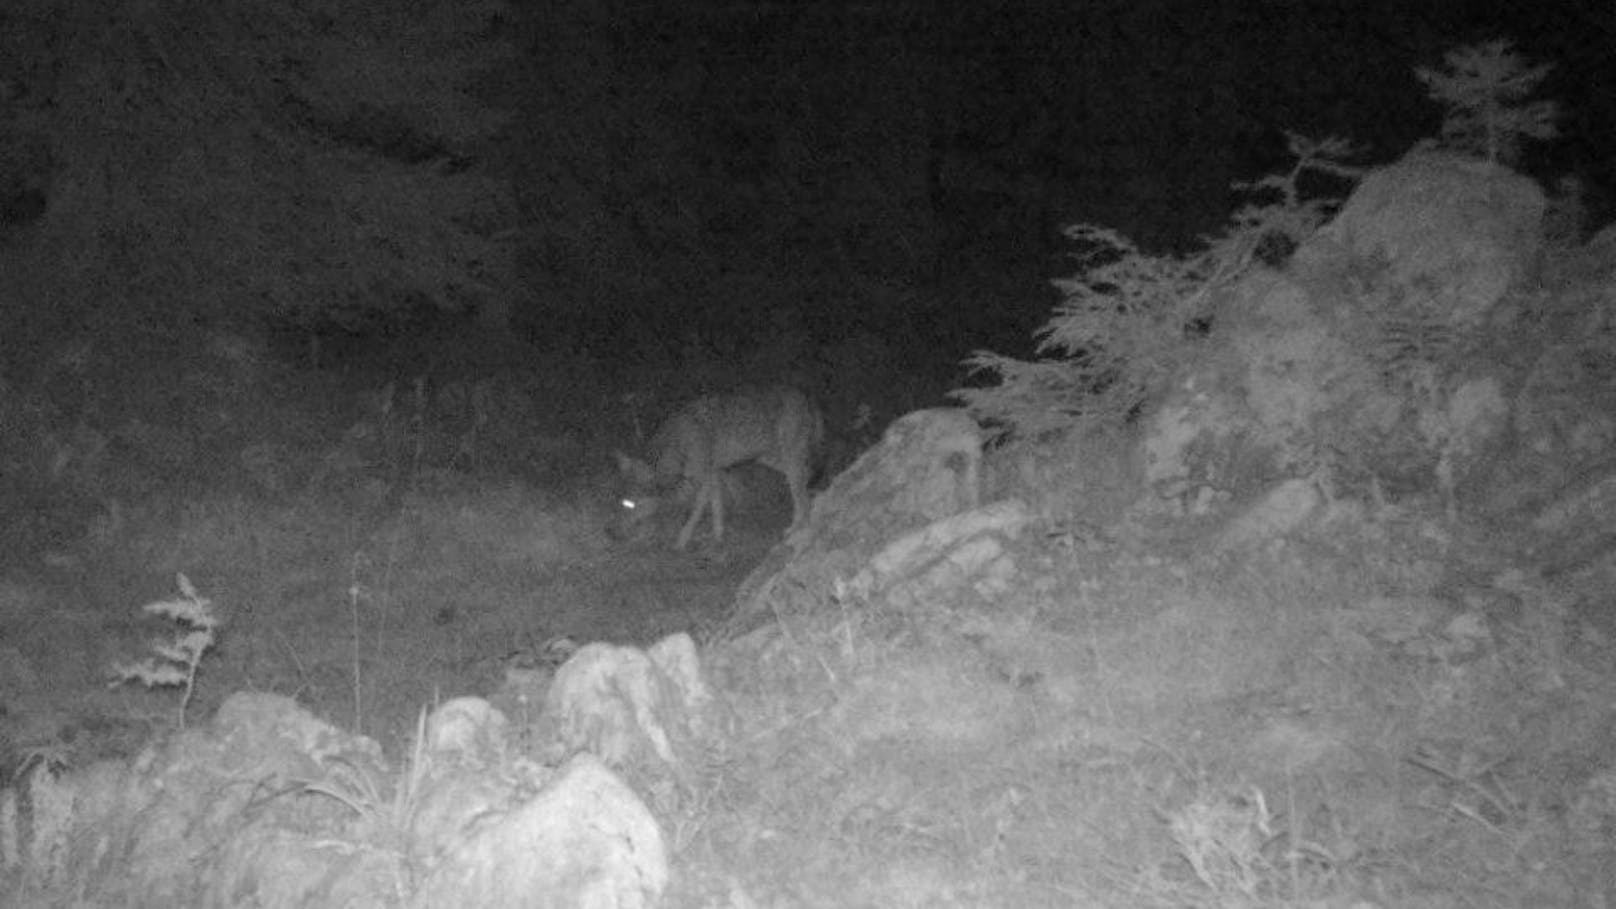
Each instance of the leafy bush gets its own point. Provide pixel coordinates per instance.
(178, 658)
(1129, 318)
(1485, 89)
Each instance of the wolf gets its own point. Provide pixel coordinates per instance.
(776, 426)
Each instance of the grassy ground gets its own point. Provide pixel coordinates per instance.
(1386, 709)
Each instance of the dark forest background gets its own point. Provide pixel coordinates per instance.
(619, 174)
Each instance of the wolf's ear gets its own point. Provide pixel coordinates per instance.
(635, 469)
